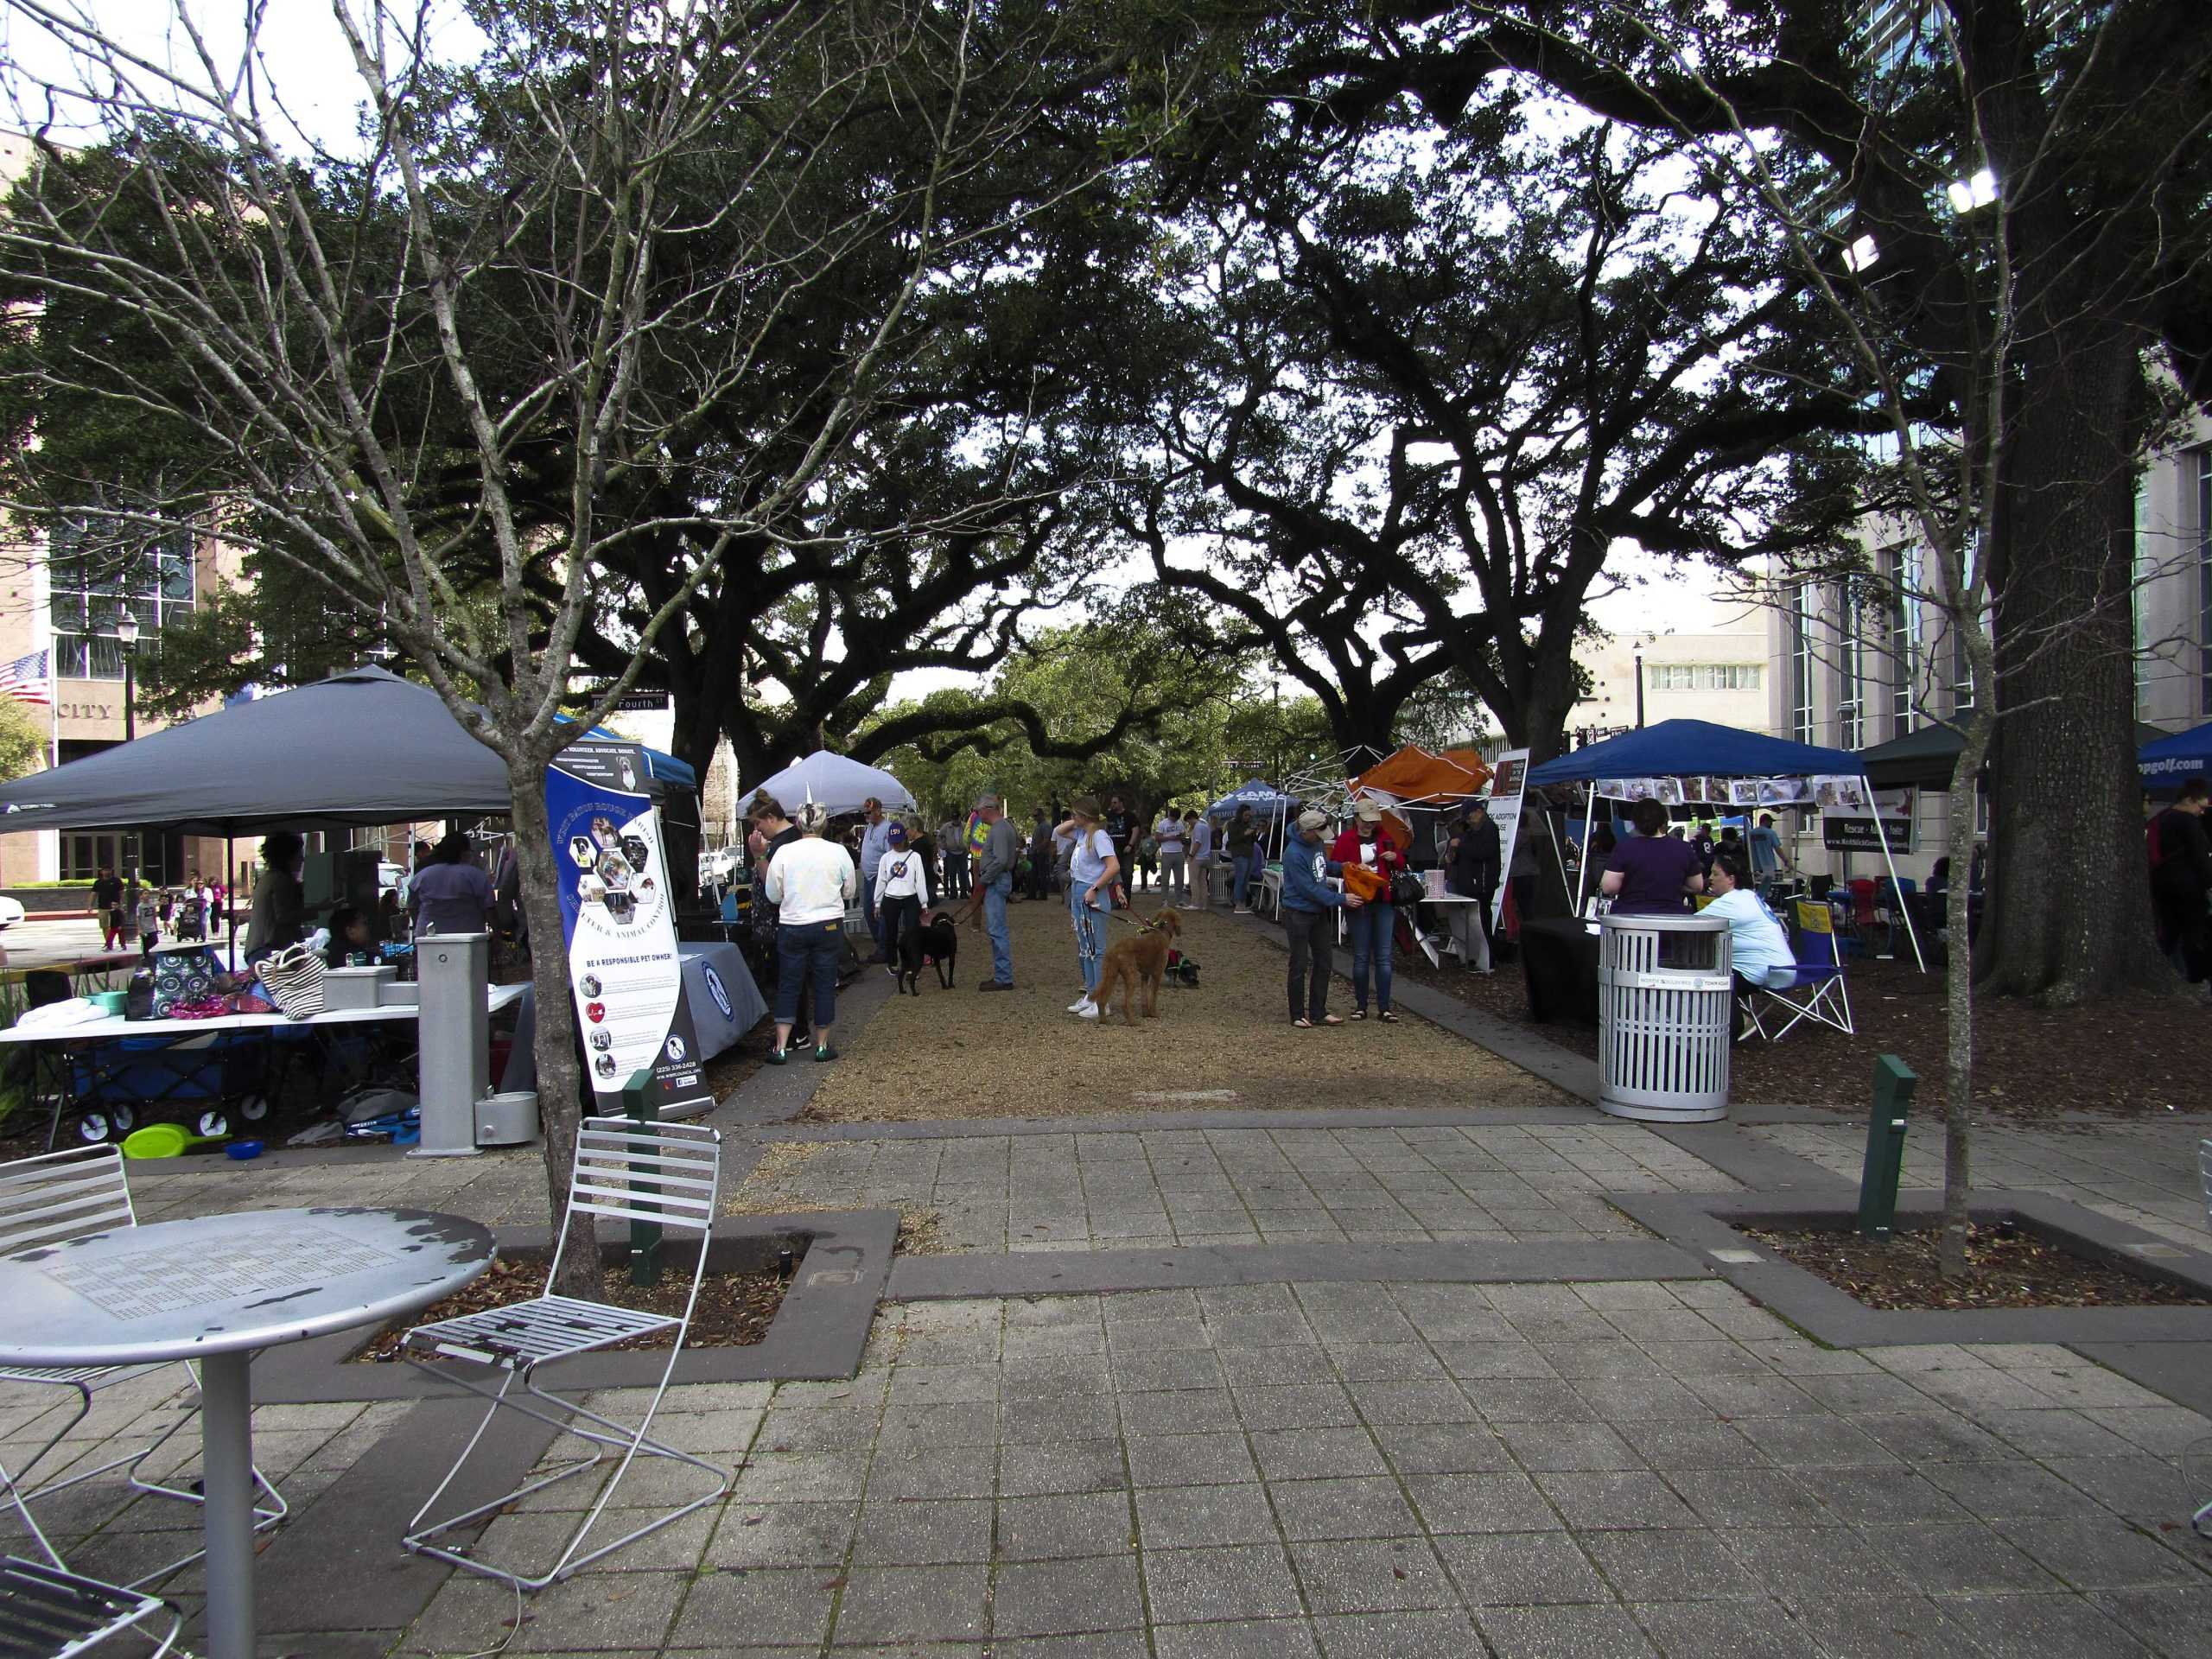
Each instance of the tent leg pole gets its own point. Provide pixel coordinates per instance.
(230, 899)
(1895, 891)
(1582, 870)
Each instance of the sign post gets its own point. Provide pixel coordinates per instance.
(639, 1106)
(1894, 1082)
(619, 929)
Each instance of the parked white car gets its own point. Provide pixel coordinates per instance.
(11, 911)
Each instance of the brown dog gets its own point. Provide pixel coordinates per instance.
(1139, 961)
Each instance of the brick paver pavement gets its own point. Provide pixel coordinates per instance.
(1147, 1189)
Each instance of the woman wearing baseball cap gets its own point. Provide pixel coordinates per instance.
(1373, 926)
(1094, 868)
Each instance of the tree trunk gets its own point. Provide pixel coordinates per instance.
(695, 731)
(2068, 916)
(560, 1079)
(1958, 1002)
(1529, 688)
(1549, 704)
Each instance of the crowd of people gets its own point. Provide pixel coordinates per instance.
(896, 871)
(129, 907)
(445, 889)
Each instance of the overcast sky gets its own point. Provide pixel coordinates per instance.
(302, 53)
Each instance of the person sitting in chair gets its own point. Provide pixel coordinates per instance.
(1757, 943)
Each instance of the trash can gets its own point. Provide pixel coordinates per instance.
(1662, 1018)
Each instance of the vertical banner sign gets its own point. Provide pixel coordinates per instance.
(1507, 786)
(619, 929)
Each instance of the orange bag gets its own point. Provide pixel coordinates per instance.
(1367, 883)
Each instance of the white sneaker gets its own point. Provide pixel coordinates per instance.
(1079, 1005)
(1088, 1011)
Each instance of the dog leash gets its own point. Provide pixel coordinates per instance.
(1129, 920)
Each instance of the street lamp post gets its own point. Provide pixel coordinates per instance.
(126, 635)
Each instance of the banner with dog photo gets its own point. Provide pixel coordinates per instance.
(625, 972)
(1509, 785)
(1854, 819)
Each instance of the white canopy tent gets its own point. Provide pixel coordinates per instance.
(837, 782)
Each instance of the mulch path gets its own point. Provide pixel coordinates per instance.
(2129, 1059)
(2007, 1267)
(1228, 1045)
(734, 1309)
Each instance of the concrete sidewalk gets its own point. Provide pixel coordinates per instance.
(1352, 1460)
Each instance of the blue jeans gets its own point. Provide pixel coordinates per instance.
(804, 948)
(1374, 934)
(874, 919)
(995, 897)
(1240, 878)
(1090, 919)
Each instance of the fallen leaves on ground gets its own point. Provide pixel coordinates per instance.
(2007, 1267)
(2030, 1062)
(734, 1309)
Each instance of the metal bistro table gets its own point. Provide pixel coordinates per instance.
(214, 1289)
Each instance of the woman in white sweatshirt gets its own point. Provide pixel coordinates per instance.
(902, 891)
(812, 883)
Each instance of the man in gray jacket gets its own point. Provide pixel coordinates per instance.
(994, 875)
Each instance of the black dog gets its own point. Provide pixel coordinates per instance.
(939, 942)
(907, 962)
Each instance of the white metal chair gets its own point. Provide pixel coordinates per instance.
(46, 1613)
(47, 1201)
(1814, 989)
(668, 1173)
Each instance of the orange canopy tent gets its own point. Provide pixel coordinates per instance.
(1418, 776)
(1414, 775)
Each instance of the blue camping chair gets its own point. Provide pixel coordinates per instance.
(1813, 989)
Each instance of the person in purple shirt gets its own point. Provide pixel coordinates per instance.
(1651, 873)
(450, 895)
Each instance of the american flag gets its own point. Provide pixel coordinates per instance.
(26, 680)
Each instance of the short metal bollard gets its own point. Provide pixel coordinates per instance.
(1663, 1003)
(638, 1104)
(1894, 1082)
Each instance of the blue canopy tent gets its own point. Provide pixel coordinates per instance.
(2172, 761)
(1260, 795)
(1698, 747)
(1674, 748)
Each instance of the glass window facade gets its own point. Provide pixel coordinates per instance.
(1851, 669)
(1801, 663)
(91, 582)
(2204, 579)
(1904, 629)
(1705, 676)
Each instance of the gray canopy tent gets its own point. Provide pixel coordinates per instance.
(359, 749)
